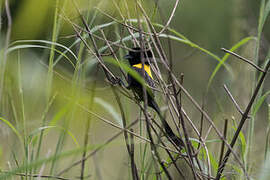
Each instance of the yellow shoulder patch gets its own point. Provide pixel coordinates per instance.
(146, 68)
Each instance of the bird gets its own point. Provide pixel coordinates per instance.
(134, 58)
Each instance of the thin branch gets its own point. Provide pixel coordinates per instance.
(233, 100)
(133, 164)
(173, 161)
(119, 127)
(222, 145)
(244, 59)
(158, 46)
(113, 53)
(220, 135)
(242, 121)
(170, 18)
(181, 120)
(97, 149)
(81, 29)
(129, 143)
(145, 100)
(123, 24)
(38, 175)
(109, 75)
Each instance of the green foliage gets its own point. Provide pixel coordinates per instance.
(52, 89)
(19, 136)
(226, 56)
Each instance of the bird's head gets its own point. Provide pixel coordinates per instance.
(135, 56)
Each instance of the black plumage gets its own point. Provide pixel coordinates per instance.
(134, 57)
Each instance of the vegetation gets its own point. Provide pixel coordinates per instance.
(65, 115)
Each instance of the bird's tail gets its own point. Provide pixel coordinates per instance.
(179, 142)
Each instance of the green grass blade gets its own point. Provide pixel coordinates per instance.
(51, 58)
(34, 134)
(266, 12)
(178, 37)
(108, 107)
(259, 103)
(264, 170)
(266, 151)
(225, 57)
(260, 28)
(60, 114)
(25, 46)
(243, 144)
(181, 38)
(49, 43)
(13, 129)
(38, 163)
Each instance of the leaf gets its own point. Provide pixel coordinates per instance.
(181, 38)
(266, 12)
(34, 134)
(50, 43)
(13, 129)
(213, 162)
(259, 103)
(264, 170)
(38, 163)
(225, 57)
(109, 108)
(13, 48)
(243, 143)
(60, 114)
(178, 37)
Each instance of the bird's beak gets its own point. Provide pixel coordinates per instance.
(127, 56)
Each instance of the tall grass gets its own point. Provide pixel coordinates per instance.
(67, 114)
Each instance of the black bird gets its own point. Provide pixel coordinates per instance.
(135, 60)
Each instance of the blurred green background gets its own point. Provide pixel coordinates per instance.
(28, 89)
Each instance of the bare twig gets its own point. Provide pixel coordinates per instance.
(168, 152)
(158, 46)
(186, 136)
(220, 135)
(242, 122)
(38, 175)
(129, 143)
(233, 100)
(109, 75)
(133, 164)
(113, 53)
(222, 145)
(244, 59)
(119, 127)
(97, 149)
(148, 129)
(170, 18)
